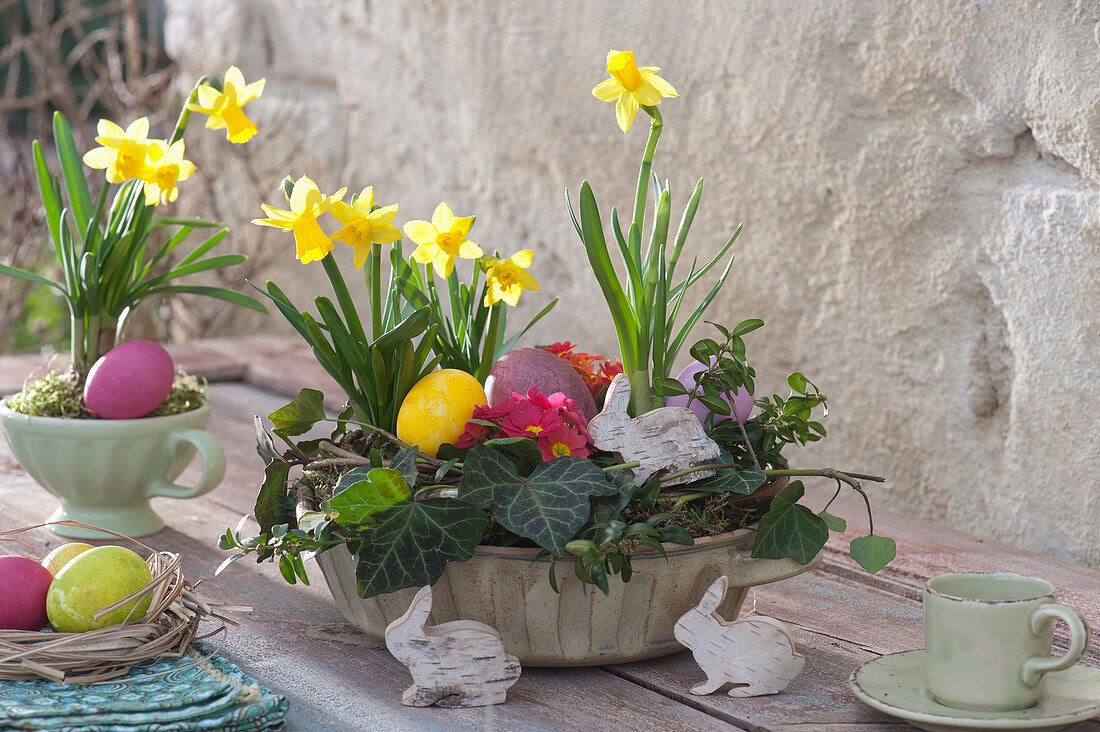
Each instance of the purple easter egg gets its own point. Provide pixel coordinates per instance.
(741, 401)
(129, 381)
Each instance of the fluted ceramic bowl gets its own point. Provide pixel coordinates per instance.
(509, 589)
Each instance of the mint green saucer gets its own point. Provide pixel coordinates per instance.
(895, 684)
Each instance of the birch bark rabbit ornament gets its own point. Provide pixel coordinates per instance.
(664, 440)
(456, 664)
(756, 653)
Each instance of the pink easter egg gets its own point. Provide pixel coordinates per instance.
(129, 381)
(517, 371)
(741, 401)
(25, 583)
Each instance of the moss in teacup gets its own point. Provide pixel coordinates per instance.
(60, 394)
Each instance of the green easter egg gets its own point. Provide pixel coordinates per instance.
(93, 580)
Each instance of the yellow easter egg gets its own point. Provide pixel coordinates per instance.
(437, 408)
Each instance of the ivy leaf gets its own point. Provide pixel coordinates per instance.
(524, 451)
(873, 552)
(412, 542)
(728, 480)
(605, 510)
(835, 523)
(548, 507)
(265, 446)
(447, 451)
(350, 478)
(342, 422)
(382, 490)
(273, 492)
(404, 462)
(306, 410)
(309, 448)
(676, 534)
(789, 529)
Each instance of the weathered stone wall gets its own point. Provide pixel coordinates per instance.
(918, 183)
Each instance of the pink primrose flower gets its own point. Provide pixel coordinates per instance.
(562, 441)
(527, 420)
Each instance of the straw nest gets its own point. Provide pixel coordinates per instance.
(98, 655)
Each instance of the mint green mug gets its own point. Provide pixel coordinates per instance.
(987, 639)
(104, 471)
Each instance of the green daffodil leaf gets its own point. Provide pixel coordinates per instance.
(412, 541)
(548, 507)
(374, 490)
(873, 552)
(307, 409)
(789, 529)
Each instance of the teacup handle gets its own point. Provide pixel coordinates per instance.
(1034, 667)
(213, 464)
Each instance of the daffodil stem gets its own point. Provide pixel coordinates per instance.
(376, 289)
(343, 297)
(637, 365)
(490, 347)
(640, 398)
(185, 113)
(643, 178)
(76, 342)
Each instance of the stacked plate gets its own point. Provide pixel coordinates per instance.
(195, 692)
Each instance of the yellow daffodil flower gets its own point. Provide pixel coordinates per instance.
(225, 109)
(442, 239)
(165, 170)
(306, 204)
(631, 85)
(363, 227)
(125, 154)
(506, 279)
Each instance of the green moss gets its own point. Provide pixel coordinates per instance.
(708, 516)
(60, 394)
(188, 393)
(321, 482)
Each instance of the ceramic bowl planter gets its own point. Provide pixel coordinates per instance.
(510, 590)
(104, 472)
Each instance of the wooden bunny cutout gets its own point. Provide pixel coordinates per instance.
(456, 664)
(755, 650)
(665, 440)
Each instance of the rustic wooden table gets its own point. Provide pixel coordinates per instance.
(337, 678)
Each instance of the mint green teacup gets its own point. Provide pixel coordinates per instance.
(987, 639)
(104, 471)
